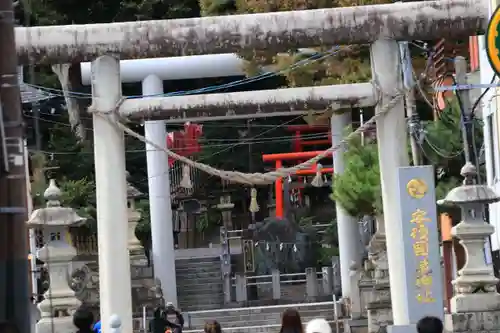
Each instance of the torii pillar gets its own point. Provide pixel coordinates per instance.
(347, 226)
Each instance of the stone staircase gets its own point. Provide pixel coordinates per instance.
(261, 319)
(199, 283)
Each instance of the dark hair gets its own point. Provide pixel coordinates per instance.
(83, 318)
(430, 324)
(291, 322)
(212, 326)
(8, 327)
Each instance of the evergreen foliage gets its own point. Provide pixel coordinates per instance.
(358, 189)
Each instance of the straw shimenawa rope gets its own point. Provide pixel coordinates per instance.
(254, 178)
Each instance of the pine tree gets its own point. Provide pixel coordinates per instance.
(358, 189)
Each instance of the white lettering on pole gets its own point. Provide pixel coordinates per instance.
(15, 151)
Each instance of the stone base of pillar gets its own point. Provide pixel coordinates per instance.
(379, 306)
(475, 302)
(379, 309)
(138, 257)
(471, 322)
(355, 325)
(56, 325)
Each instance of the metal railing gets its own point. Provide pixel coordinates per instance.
(85, 244)
(261, 279)
(251, 309)
(234, 234)
(259, 328)
(216, 314)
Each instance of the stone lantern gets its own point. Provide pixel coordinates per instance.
(134, 245)
(476, 303)
(59, 301)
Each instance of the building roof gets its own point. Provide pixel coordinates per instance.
(30, 94)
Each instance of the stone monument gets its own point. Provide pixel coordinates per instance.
(60, 301)
(134, 245)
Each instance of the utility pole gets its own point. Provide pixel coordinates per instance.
(250, 157)
(466, 110)
(411, 110)
(14, 289)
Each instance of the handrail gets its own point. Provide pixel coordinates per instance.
(249, 327)
(267, 276)
(254, 308)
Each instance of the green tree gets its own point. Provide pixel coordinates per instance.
(358, 188)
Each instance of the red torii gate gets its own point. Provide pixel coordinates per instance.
(279, 158)
(299, 142)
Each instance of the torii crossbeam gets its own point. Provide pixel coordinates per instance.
(270, 31)
(341, 96)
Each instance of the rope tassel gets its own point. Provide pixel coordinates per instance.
(186, 177)
(318, 178)
(254, 205)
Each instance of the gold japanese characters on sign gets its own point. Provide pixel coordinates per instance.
(420, 236)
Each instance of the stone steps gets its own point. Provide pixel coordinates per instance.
(256, 316)
(258, 329)
(203, 278)
(255, 319)
(199, 284)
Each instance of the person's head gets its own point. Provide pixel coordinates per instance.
(290, 321)
(8, 327)
(212, 326)
(430, 324)
(83, 318)
(318, 325)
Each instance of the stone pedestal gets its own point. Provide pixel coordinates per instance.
(476, 304)
(483, 321)
(133, 218)
(60, 301)
(379, 304)
(226, 208)
(137, 255)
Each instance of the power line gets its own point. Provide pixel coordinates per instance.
(253, 141)
(312, 59)
(307, 135)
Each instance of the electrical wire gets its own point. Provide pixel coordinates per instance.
(224, 124)
(263, 141)
(312, 59)
(465, 123)
(231, 141)
(440, 152)
(227, 148)
(476, 104)
(231, 147)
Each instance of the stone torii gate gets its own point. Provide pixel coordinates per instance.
(381, 25)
